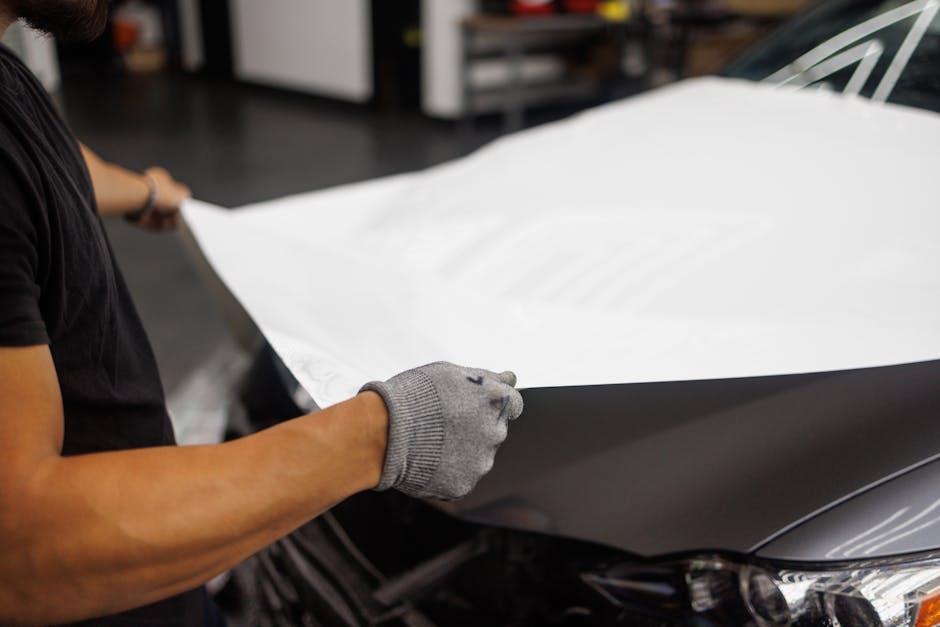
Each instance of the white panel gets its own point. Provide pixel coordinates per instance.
(712, 229)
(191, 35)
(320, 46)
(441, 55)
(491, 73)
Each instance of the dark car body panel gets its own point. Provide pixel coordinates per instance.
(726, 464)
(898, 516)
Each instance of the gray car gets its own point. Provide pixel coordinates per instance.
(802, 499)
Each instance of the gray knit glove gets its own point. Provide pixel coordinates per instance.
(445, 423)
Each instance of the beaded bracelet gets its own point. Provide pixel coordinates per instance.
(140, 214)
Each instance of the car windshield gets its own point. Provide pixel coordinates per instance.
(886, 51)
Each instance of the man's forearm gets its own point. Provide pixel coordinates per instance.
(107, 532)
(117, 190)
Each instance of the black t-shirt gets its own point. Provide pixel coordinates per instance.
(60, 285)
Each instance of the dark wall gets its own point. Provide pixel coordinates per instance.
(396, 53)
(217, 37)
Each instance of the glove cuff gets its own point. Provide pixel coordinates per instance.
(415, 430)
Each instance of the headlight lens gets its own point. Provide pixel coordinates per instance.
(724, 590)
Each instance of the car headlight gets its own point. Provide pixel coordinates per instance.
(715, 589)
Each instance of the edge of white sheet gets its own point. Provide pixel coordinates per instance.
(468, 263)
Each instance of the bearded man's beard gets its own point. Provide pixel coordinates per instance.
(66, 20)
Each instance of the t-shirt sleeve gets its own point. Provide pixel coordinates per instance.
(21, 322)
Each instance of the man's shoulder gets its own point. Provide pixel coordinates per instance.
(20, 178)
(29, 141)
(16, 121)
(16, 79)
(25, 105)
(16, 167)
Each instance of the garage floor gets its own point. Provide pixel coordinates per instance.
(233, 144)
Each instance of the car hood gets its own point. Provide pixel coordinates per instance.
(733, 463)
(727, 465)
(697, 242)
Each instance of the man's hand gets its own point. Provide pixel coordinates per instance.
(445, 424)
(168, 196)
(150, 200)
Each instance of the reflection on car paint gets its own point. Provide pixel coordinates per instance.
(840, 550)
(893, 535)
(876, 543)
(826, 59)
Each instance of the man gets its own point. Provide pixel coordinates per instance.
(99, 512)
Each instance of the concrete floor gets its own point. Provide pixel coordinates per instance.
(232, 144)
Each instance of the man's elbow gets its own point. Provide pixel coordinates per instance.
(27, 583)
(16, 611)
(31, 593)
(22, 594)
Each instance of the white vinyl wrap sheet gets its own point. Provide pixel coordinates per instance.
(707, 230)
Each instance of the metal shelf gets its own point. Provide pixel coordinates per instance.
(513, 39)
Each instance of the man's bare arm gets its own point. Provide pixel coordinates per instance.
(91, 535)
(119, 191)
